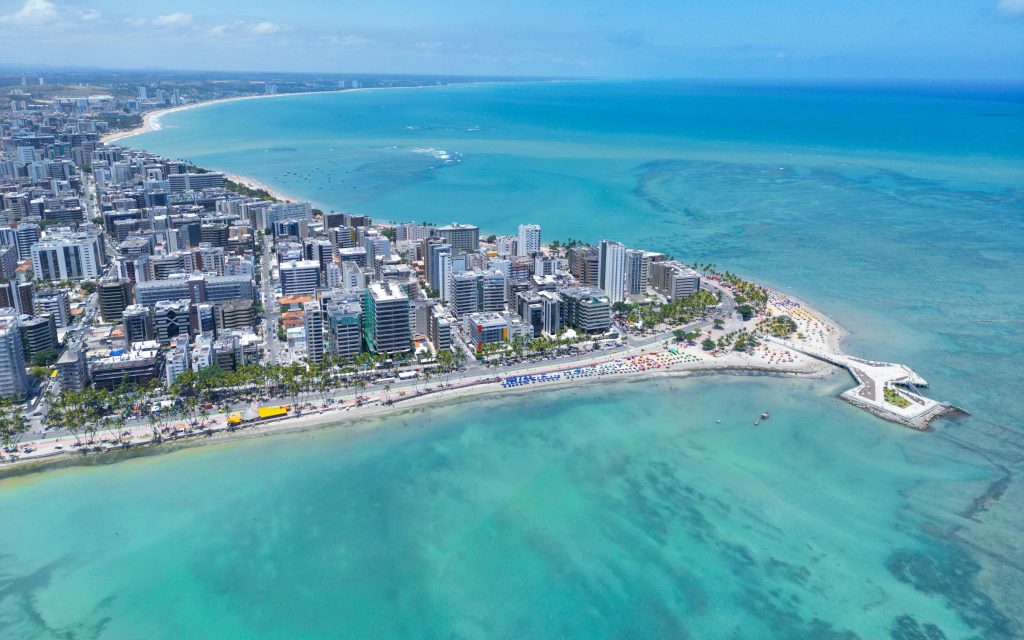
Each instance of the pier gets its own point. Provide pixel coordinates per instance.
(874, 379)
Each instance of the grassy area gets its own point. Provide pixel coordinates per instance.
(894, 398)
(780, 326)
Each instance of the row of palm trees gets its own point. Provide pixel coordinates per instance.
(89, 411)
(13, 424)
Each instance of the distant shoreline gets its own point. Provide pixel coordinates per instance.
(151, 119)
(151, 122)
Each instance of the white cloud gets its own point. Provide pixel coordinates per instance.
(33, 12)
(173, 20)
(90, 14)
(266, 28)
(347, 41)
(1011, 7)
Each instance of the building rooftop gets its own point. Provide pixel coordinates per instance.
(382, 292)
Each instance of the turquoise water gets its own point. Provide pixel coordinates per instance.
(619, 510)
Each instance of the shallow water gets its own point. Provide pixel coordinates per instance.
(620, 510)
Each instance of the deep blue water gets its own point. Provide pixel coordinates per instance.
(619, 511)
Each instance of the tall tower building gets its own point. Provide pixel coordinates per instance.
(528, 241)
(13, 381)
(313, 322)
(114, 295)
(386, 319)
(611, 270)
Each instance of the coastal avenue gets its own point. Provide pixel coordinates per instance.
(140, 432)
(473, 373)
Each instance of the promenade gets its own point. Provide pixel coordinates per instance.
(874, 379)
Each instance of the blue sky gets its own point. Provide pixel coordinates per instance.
(962, 39)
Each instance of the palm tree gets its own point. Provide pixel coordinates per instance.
(12, 423)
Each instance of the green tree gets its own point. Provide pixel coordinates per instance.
(45, 358)
(708, 344)
(12, 423)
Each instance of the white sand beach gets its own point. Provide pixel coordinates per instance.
(341, 410)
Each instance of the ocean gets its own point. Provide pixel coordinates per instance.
(621, 510)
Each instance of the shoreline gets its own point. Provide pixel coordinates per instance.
(374, 415)
(252, 183)
(691, 361)
(151, 119)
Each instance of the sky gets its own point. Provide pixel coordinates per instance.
(754, 39)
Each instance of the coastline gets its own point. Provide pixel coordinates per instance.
(253, 183)
(374, 415)
(151, 119)
(690, 361)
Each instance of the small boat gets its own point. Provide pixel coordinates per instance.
(765, 415)
(757, 422)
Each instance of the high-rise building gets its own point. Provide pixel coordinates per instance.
(386, 319)
(583, 264)
(68, 256)
(464, 238)
(170, 263)
(72, 373)
(673, 280)
(528, 241)
(38, 336)
(300, 277)
(8, 262)
(586, 309)
(171, 319)
(195, 181)
(13, 381)
(440, 329)
(282, 211)
(552, 312)
(612, 270)
(138, 324)
(464, 293)
(493, 291)
(178, 361)
(21, 235)
(114, 295)
(435, 248)
(56, 303)
(209, 258)
(344, 328)
(313, 322)
(636, 272)
(506, 245)
(24, 297)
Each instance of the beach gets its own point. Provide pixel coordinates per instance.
(151, 119)
(340, 409)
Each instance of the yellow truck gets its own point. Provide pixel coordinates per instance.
(272, 412)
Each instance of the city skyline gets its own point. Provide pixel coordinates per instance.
(981, 39)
